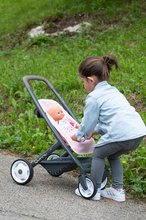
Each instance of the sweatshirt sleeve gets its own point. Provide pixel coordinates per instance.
(90, 118)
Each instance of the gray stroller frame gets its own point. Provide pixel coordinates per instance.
(55, 164)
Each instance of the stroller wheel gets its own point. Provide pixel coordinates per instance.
(103, 184)
(54, 172)
(91, 187)
(104, 178)
(53, 156)
(21, 171)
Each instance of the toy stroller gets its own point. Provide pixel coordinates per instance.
(56, 164)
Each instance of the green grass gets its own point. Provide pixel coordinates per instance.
(117, 27)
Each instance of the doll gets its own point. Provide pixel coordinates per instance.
(63, 121)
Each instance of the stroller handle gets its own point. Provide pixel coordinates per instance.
(28, 78)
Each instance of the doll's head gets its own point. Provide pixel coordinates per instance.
(56, 112)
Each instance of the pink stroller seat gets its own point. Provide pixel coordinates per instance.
(65, 128)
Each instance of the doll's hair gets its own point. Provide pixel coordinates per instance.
(98, 66)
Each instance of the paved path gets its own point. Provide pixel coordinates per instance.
(50, 198)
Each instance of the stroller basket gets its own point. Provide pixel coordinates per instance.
(56, 167)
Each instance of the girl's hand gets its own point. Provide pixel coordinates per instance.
(90, 135)
(74, 137)
(76, 126)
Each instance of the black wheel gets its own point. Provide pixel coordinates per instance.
(91, 188)
(55, 173)
(53, 156)
(104, 178)
(104, 182)
(21, 171)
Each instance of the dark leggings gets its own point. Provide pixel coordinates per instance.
(112, 151)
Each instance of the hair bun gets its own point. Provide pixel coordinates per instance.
(110, 60)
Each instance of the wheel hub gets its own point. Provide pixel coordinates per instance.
(20, 171)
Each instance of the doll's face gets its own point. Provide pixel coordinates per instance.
(56, 113)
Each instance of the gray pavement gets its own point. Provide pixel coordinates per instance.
(50, 198)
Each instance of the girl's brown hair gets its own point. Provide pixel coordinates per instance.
(98, 66)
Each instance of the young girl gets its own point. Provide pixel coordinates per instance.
(108, 113)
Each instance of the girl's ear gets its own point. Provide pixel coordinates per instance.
(90, 78)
